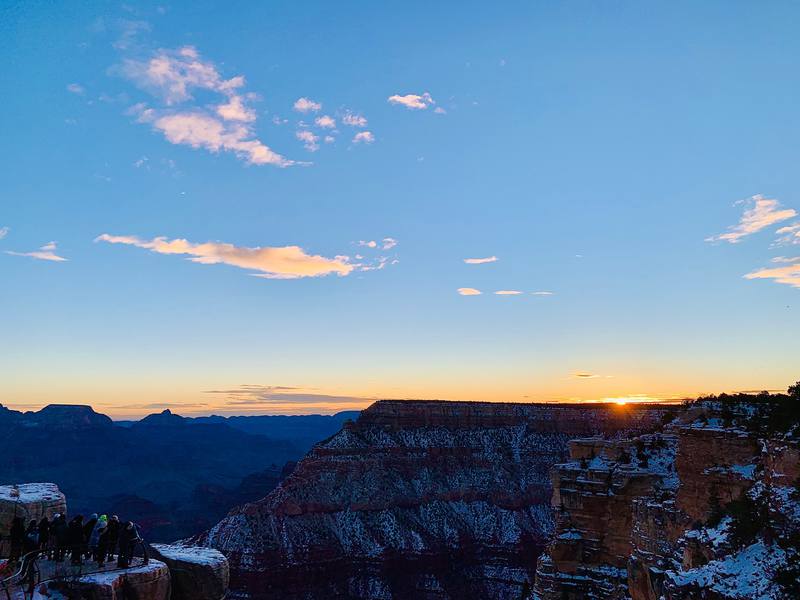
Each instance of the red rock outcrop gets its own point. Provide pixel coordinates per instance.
(424, 500)
(645, 518)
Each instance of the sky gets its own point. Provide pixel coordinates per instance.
(291, 208)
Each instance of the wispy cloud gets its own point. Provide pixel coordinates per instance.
(75, 88)
(363, 137)
(46, 252)
(267, 395)
(354, 120)
(585, 375)
(388, 243)
(788, 274)
(325, 122)
(508, 292)
(542, 293)
(305, 105)
(468, 291)
(760, 212)
(4, 232)
(481, 261)
(413, 101)
(283, 262)
(789, 235)
(173, 76)
(309, 139)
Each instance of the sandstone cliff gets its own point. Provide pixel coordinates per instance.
(424, 500)
(708, 508)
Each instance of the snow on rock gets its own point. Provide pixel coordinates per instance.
(197, 573)
(416, 499)
(29, 501)
(742, 575)
(145, 582)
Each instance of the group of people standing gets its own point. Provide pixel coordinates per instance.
(98, 538)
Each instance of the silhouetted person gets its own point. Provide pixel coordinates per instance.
(128, 538)
(88, 528)
(32, 536)
(75, 537)
(112, 536)
(17, 539)
(44, 535)
(59, 534)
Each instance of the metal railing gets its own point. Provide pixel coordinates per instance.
(28, 576)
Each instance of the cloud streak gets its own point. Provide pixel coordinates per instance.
(787, 274)
(4, 232)
(283, 262)
(481, 261)
(760, 212)
(468, 291)
(508, 293)
(789, 235)
(46, 252)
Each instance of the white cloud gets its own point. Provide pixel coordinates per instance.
(508, 292)
(788, 274)
(304, 105)
(467, 291)
(760, 212)
(542, 293)
(364, 137)
(354, 120)
(368, 244)
(3, 232)
(46, 252)
(412, 101)
(789, 235)
(481, 261)
(439, 110)
(326, 122)
(235, 110)
(173, 76)
(389, 243)
(310, 141)
(76, 88)
(785, 259)
(200, 130)
(329, 139)
(284, 262)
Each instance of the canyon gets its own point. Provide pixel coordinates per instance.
(416, 499)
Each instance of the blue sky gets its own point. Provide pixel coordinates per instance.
(595, 150)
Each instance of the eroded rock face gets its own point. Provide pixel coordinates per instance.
(594, 495)
(197, 573)
(29, 501)
(424, 500)
(643, 518)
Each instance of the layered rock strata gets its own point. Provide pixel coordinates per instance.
(424, 500)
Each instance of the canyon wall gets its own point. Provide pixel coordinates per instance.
(708, 508)
(424, 500)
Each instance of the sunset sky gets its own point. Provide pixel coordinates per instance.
(302, 207)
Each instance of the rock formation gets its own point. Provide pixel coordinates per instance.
(29, 501)
(196, 572)
(427, 500)
(709, 508)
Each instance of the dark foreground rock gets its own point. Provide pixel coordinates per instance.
(197, 573)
